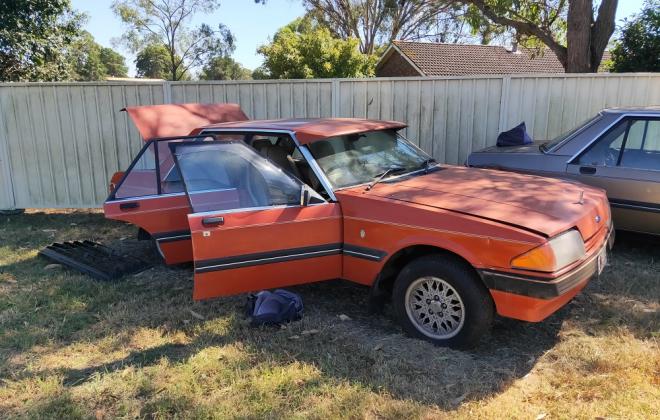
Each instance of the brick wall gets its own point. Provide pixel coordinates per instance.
(396, 66)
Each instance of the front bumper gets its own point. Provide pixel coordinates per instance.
(535, 298)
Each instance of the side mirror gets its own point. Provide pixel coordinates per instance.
(304, 196)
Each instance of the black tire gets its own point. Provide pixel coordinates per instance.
(475, 303)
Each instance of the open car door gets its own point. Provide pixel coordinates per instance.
(252, 225)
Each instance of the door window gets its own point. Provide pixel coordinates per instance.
(231, 175)
(141, 178)
(606, 150)
(642, 149)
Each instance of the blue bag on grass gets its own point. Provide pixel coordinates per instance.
(276, 307)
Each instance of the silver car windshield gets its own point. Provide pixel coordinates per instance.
(550, 145)
(360, 158)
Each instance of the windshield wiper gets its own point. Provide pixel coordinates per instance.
(388, 171)
(426, 164)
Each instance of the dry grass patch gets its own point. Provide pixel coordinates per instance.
(71, 347)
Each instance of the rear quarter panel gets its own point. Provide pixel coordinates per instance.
(160, 216)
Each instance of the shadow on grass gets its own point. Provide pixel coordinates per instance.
(368, 350)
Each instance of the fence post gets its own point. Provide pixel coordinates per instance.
(335, 98)
(7, 198)
(504, 103)
(167, 92)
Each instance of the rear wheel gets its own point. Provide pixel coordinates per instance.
(441, 300)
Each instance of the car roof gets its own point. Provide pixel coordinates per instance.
(651, 110)
(308, 130)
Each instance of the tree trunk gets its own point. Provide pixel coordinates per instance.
(601, 31)
(578, 36)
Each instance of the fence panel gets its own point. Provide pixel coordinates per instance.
(550, 105)
(61, 142)
(439, 112)
(262, 99)
(64, 141)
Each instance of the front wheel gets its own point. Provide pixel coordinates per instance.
(441, 300)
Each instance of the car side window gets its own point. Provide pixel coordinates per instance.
(642, 148)
(232, 175)
(605, 152)
(141, 179)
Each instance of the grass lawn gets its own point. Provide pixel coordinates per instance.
(71, 347)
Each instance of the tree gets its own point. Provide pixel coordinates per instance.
(165, 22)
(91, 61)
(34, 37)
(115, 63)
(224, 68)
(579, 48)
(638, 46)
(378, 22)
(260, 73)
(305, 49)
(153, 62)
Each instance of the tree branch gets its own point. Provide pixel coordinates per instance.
(526, 28)
(601, 31)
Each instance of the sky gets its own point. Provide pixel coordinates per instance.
(252, 24)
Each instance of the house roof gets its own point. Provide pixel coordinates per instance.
(437, 59)
(308, 130)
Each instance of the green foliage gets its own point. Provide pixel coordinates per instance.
(551, 16)
(115, 63)
(304, 49)
(167, 22)
(576, 31)
(638, 47)
(377, 23)
(153, 62)
(224, 68)
(91, 61)
(34, 37)
(260, 73)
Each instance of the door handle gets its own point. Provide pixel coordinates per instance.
(213, 221)
(129, 206)
(588, 170)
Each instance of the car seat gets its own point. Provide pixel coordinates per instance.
(278, 154)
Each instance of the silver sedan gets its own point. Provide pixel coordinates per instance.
(617, 150)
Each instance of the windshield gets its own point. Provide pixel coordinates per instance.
(549, 145)
(360, 158)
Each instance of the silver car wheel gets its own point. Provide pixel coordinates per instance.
(435, 308)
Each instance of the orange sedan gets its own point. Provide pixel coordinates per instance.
(265, 204)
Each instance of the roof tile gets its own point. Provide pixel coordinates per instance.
(436, 59)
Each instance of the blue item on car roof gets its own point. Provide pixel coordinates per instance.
(517, 136)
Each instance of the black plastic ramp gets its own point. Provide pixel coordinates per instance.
(94, 259)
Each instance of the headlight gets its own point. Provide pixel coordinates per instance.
(560, 251)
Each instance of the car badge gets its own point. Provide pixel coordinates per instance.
(597, 219)
(581, 199)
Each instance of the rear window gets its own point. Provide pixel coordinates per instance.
(550, 145)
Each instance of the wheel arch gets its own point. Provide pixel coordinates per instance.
(384, 283)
